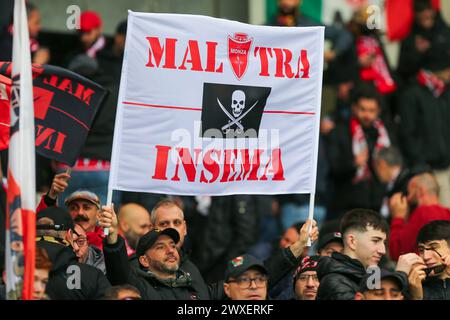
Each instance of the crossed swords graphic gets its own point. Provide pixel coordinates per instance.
(233, 119)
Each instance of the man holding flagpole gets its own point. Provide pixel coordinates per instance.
(21, 199)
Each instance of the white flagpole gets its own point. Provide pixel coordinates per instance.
(310, 216)
(108, 202)
(21, 165)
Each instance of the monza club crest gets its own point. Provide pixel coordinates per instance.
(238, 48)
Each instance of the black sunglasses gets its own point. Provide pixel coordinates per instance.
(438, 268)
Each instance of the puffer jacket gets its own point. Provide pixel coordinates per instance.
(340, 277)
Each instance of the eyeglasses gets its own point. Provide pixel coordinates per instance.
(306, 277)
(244, 283)
(81, 242)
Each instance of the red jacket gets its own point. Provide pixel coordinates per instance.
(403, 235)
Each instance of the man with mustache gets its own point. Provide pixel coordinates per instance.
(158, 275)
(84, 208)
(69, 279)
(364, 234)
(306, 282)
(161, 273)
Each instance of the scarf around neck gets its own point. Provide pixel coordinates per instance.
(359, 144)
(432, 82)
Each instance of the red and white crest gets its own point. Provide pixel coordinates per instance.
(238, 49)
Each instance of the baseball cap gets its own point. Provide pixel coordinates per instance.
(329, 237)
(241, 264)
(149, 239)
(62, 221)
(83, 195)
(89, 20)
(384, 274)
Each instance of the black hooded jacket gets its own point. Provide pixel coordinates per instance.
(92, 284)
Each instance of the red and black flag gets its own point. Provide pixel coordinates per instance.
(65, 105)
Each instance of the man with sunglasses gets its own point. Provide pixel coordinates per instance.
(431, 280)
(246, 279)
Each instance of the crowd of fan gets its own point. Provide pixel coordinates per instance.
(382, 200)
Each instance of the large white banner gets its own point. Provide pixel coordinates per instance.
(216, 107)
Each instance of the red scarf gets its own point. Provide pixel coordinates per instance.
(359, 144)
(95, 238)
(432, 82)
(378, 72)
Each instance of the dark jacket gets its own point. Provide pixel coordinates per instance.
(120, 270)
(424, 127)
(436, 289)
(365, 194)
(411, 60)
(340, 277)
(93, 282)
(231, 228)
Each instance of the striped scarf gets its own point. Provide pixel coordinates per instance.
(359, 144)
(432, 82)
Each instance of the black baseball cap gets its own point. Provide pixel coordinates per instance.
(149, 239)
(62, 221)
(241, 264)
(328, 238)
(384, 275)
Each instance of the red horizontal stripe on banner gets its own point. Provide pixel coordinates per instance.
(289, 112)
(70, 116)
(200, 109)
(158, 106)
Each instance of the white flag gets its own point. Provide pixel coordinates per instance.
(214, 107)
(21, 198)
